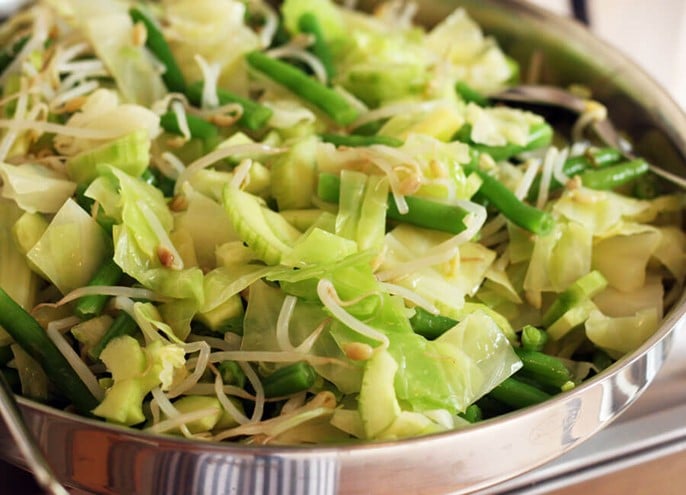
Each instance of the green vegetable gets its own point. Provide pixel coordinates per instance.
(308, 23)
(155, 41)
(615, 175)
(473, 414)
(362, 209)
(108, 274)
(544, 369)
(421, 212)
(540, 135)
(429, 325)
(533, 339)
(354, 140)
(592, 158)
(378, 404)
(264, 230)
(231, 373)
(122, 325)
(26, 331)
(198, 127)
(518, 394)
(327, 100)
(130, 153)
(470, 95)
(254, 116)
(581, 290)
(516, 211)
(290, 379)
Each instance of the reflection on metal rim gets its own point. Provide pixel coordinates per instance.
(95, 457)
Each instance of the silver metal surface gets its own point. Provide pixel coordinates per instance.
(23, 439)
(94, 457)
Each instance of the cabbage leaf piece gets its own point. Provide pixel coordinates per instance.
(71, 249)
(35, 188)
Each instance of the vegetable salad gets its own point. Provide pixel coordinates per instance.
(306, 225)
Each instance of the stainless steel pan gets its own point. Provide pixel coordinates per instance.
(94, 457)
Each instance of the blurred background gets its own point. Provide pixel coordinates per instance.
(651, 33)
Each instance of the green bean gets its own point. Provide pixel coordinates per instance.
(308, 23)
(354, 140)
(517, 394)
(615, 175)
(333, 104)
(544, 369)
(592, 158)
(109, 273)
(516, 211)
(471, 95)
(122, 325)
(429, 325)
(149, 177)
(329, 187)
(540, 135)
(28, 334)
(421, 212)
(583, 288)
(232, 374)
(472, 413)
(533, 339)
(199, 128)
(255, 116)
(172, 76)
(290, 379)
(156, 178)
(8, 55)
(646, 187)
(105, 221)
(601, 360)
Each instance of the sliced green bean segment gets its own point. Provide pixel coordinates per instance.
(533, 339)
(429, 325)
(473, 414)
(122, 325)
(540, 135)
(329, 187)
(592, 158)
(28, 334)
(232, 374)
(290, 379)
(516, 211)
(471, 95)
(255, 116)
(601, 360)
(332, 103)
(583, 288)
(198, 128)
(172, 76)
(308, 23)
(109, 273)
(421, 212)
(354, 140)
(614, 175)
(544, 369)
(517, 394)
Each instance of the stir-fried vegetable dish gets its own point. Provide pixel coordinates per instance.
(232, 222)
